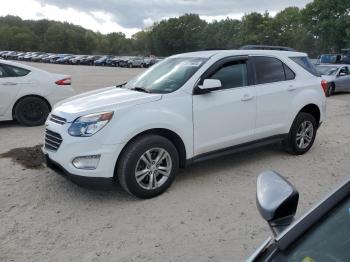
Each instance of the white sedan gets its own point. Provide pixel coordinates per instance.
(28, 94)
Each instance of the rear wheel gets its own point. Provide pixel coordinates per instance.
(330, 90)
(31, 111)
(148, 166)
(302, 134)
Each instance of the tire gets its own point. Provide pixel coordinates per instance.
(299, 142)
(330, 90)
(31, 111)
(132, 160)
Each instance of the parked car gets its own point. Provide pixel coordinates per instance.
(27, 94)
(323, 234)
(116, 60)
(345, 56)
(330, 59)
(104, 60)
(124, 61)
(47, 59)
(89, 60)
(9, 55)
(76, 60)
(337, 77)
(148, 62)
(186, 109)
(39, 58)
(136, 62)
(64, 59)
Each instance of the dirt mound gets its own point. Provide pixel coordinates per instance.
(29, 157)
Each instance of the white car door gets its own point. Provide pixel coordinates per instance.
(10, 84)
(225, 117)
(275, 87)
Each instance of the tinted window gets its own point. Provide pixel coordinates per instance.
(232, 75)
(329, 240)
(305, 63)
(2, 72)
(14, 71)
(343, 70)
(289, 73)
(268, 70)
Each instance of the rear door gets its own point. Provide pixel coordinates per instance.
(10, 83)
(275, 86)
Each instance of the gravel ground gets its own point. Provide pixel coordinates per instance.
(208, 214)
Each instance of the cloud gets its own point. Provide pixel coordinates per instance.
(139, 13)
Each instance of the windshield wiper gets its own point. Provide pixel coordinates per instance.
(121, 85)
(140, 89)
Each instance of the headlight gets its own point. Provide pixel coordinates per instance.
(89, 124)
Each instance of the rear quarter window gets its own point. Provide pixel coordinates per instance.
(305, 63)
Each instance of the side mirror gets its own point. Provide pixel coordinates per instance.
(342, 74)
(210, 85)
(277, 200)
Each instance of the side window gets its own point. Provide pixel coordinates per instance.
(289, 73)
(268, 70)
(305, 63)
(15, 71)
(232, 74)
(2, 72)
(344, 70)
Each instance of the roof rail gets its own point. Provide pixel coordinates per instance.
(266, 47)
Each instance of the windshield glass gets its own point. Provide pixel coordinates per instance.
(327, 70)
(168, 75)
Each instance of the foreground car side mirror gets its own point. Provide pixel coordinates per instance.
(209, 85)
(342, 74)
(277, 200)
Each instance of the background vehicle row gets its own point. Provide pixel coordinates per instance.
(72, 59)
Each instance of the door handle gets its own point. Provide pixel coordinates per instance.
(291, 88)
(246, 97)
(9, 84)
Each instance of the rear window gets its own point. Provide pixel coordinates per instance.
(305, 63)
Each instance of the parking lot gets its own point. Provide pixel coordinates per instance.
(209, 213)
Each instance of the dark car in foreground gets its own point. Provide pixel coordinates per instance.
(322, 234)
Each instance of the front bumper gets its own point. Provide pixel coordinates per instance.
(90, 182)
(72, 147)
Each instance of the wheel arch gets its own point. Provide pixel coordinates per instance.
(168, 134)
(313, 110)
(26, 96)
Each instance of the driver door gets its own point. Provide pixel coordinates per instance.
(225, 117)
(342, 82)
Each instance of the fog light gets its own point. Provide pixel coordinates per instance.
(86, 162)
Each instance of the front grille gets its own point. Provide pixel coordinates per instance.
(53, 140)
(57, 119)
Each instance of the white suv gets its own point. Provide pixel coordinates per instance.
(185, 109)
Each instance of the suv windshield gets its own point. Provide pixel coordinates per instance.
(168, 75)
(327, 70)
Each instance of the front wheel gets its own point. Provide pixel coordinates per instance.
(302, 134)
(148, 166)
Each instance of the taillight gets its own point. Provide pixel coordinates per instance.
(64, 82)
(324, 85)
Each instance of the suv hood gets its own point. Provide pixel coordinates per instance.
(106, 99)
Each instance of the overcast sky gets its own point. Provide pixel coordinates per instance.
(129, 16)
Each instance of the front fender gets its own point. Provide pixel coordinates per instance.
(173, 114)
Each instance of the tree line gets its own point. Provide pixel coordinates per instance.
(322, 26)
